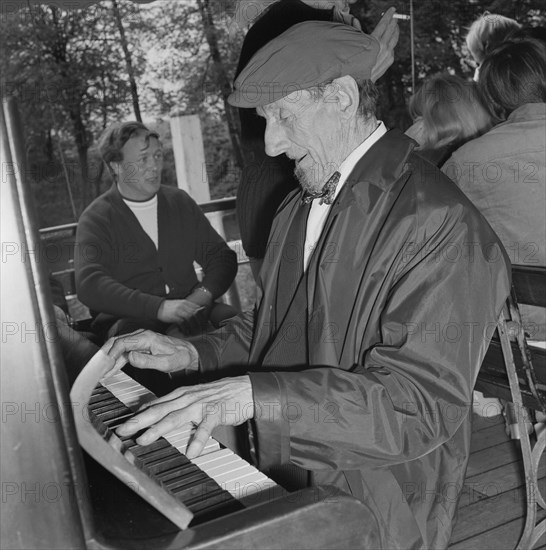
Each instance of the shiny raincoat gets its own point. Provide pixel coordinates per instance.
(402, 293)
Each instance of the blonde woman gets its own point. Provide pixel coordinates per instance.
(452, 113)
(486, 32)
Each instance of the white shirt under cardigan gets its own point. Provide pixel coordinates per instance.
(146, 214)
(319, 212)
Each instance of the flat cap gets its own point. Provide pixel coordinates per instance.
(306, 55)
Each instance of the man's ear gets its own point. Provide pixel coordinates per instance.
(344, 91)
(115, 169)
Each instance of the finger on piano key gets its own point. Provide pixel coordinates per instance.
(202, 435)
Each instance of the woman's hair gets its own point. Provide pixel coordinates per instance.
(523, 33)
(486, 32)
(452, 111)
(416, 104)
(513, 74)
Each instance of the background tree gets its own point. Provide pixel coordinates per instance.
(67, 71)
(190, 67)
(75, 71)
(118, 18)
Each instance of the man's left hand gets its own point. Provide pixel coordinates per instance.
(224, 402)
(145, 349)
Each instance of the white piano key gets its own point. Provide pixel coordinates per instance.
(203, 460)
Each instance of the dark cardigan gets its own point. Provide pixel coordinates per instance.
(119, 271)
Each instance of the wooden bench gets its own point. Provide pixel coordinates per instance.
(515, 371)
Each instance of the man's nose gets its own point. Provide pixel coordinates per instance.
(275, 140)
(154, 164)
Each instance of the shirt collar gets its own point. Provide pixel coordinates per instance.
(140, 204)
(346, 167)
(527, 111)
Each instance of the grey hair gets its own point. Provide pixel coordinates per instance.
(368, 95)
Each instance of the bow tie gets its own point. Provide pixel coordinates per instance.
(326, 194)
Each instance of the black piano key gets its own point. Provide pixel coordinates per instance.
(190, 478)
(153, 459)
(186, 485)
(191, 493)
(207, 491)
(113, 423)
(140, 452)
(111, 413)
(104, 402)
(157, 458)
(107, 432)
(98, 400)
(180, 477)
(210, 503)
(170, 467)
(101, 428)
(105, 406)
(98, 392)
(159, 444)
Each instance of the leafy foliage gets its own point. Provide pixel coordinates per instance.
(68, 70)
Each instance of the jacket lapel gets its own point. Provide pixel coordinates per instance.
(367, 194)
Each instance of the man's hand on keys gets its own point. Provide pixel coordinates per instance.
(224, 402)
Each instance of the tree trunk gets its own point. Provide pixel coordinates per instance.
(97, 179)
(82, 145)
(128, 61)
(84, 173)
(225, 82)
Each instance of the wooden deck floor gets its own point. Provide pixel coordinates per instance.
(491, 512)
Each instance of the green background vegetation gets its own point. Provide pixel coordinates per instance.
(75, 71)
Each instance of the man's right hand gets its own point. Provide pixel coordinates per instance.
(177, 311)
(387, 33)
(145, 349)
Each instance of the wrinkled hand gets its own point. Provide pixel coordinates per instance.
(145, 349)
(224, 402)
(387, 33)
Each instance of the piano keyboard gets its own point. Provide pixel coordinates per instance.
(160, 461)
(230, 472)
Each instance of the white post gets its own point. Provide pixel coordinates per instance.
(191, 175)
(189, 157)
(189, 160)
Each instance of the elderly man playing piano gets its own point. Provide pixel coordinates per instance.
(357, 366)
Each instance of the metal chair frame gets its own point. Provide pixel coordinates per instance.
(526, 372)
